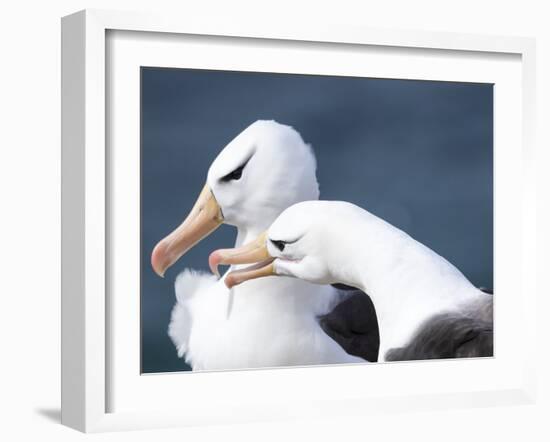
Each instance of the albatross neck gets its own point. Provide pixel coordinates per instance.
(407, 281)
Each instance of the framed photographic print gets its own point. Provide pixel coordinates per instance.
(188, 145)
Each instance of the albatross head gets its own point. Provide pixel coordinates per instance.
(311, 240)
(264, 170)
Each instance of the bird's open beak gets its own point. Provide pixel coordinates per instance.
(204, 218)
(254, 252)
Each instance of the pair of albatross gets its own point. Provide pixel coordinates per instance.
(271, 321)
(426, 308)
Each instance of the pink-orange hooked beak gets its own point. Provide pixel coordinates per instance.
(204, 218)
(254, 252)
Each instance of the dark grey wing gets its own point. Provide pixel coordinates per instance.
(353, 324)
(450, 335)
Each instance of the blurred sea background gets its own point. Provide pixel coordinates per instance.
(417, 153)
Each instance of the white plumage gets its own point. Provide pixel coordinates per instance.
(269, 322)
(425, 306)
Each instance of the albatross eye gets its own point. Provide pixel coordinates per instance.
(279, 244)
(235, 175)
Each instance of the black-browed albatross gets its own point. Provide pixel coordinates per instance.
(426, 307)
(273, 321)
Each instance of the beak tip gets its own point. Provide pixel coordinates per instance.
(159, 271)
(229, 281)
(214, 261)
(157, 258)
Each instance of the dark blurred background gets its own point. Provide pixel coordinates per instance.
(417, 153)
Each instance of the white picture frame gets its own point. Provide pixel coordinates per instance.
(86, 352)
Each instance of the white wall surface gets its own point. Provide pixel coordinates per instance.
(30, 219)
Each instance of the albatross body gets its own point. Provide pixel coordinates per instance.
(272, 321)
(426, 307)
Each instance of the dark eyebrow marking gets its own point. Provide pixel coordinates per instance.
(293, 241)
(236, 173)
(280, 244)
